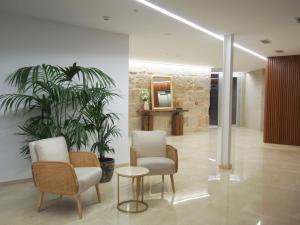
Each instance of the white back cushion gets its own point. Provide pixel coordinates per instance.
(52, 149)
(32, 152)
(149, 143)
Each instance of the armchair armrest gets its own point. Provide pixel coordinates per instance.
(133, 156)
(84, 159)
(172, 154)
(55, 177)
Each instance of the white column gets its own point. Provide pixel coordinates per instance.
(227, 102)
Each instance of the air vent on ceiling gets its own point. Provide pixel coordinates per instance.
(298, 19)
(279, 51)
(265, 41)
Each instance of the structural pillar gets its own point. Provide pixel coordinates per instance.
(225, 162)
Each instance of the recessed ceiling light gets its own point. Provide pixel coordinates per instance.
(195, 26)
(279, 51)
(106, 18)
(298, 19)
(265, 41)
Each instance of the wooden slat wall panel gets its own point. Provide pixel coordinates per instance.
(282, 101)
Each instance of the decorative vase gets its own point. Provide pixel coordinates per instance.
(146, 105)
(107, 166)
(178, 103)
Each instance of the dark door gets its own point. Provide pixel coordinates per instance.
(234, 99)
(214, 96)
(214, 99)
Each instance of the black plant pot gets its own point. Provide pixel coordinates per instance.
(107, 166)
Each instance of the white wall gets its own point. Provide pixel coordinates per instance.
(26, 42)
(252, 99)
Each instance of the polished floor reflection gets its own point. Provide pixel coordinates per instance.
(263, 188)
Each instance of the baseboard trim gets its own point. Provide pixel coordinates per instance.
(225, 167)
(11, 182)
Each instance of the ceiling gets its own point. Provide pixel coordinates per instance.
(156, 37)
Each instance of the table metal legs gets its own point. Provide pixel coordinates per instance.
(138, 203)
(142, 189)
(118, 189)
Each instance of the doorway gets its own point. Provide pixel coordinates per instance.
(234, 101)
(215, 100)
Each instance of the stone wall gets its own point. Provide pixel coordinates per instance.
(192, 90)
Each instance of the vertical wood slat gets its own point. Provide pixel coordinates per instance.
(282, 100)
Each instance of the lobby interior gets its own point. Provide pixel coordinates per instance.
(233, 74)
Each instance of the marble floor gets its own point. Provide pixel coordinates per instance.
(263, 188)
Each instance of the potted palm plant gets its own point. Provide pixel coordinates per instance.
(100, 124)
(65, 101)
(54, 97)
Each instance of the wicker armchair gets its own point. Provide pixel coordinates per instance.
(149, 150)
(55, 170)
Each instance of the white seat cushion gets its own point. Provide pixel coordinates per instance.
(157, 165)
(149, 143)
(87, 176)
(52, 149)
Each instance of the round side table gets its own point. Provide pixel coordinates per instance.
(138, 173)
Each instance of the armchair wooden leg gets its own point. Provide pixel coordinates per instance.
(40, 201)
(162, 185)
(98, 192)
(172, 182)
(79, 209)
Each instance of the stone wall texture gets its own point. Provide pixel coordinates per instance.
(192, 90)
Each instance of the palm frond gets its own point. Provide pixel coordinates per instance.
(37, 128)
(13, 102)
(94, 76)
(68, 73)
(21, 78)
(74, 133)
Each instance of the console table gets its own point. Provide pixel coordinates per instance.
(177, 120)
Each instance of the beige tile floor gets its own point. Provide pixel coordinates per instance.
(263, 188)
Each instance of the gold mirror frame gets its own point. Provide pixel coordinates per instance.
(152, 94)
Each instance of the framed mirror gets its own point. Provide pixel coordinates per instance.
(161, 93)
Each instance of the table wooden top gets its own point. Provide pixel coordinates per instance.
(132, 171)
